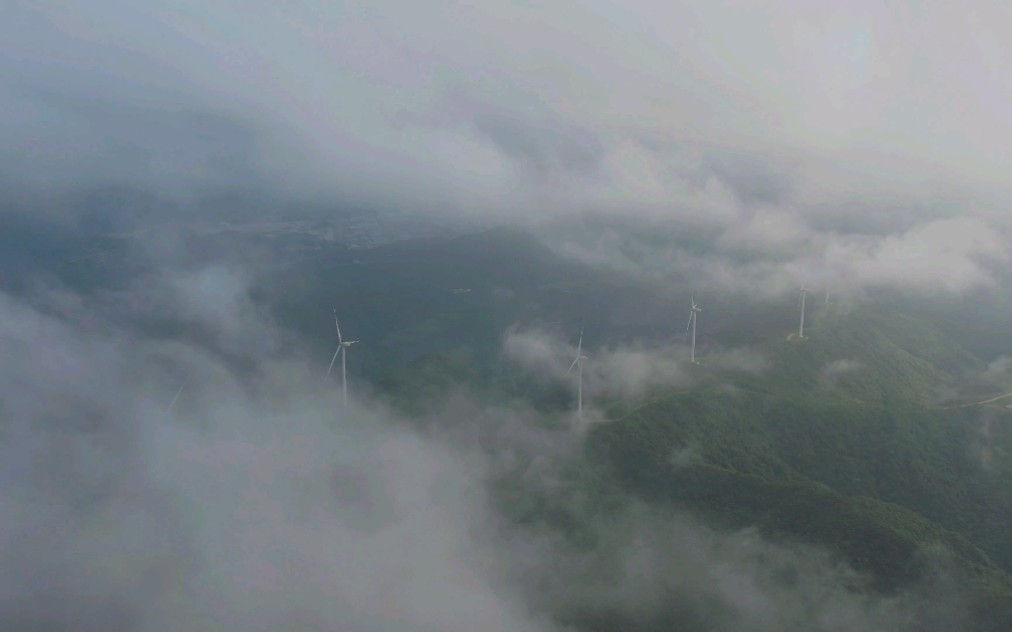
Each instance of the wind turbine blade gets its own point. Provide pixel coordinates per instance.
(176, 396)
(689, 324)
(573, 364)
(332, 360)
(338, 325)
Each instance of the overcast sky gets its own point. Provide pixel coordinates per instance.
(507, 98)
(783, 124)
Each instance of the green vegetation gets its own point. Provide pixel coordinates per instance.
(868, 464)
(844, 443)
(399, 299)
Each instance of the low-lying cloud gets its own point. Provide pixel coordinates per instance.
(832, 372)
(258, 502)
(767, 256)
(247, 507)
(623, 370)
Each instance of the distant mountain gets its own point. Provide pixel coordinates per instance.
(854, 439)
(411, 298)
(863, 438)
(34, 249)
(851, 440)
(868, 463)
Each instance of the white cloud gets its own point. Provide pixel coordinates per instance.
(259, 503)
(355, 96)
(770, 252)
(949, 255)
(831, 372)
(249, 507)
(794, 139)
(622, 370)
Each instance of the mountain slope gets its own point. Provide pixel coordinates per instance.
(865, 463)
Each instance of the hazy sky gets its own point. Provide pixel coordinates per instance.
(788, 127)
(510, 103)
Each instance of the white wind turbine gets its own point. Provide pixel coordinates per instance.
(579, 375)
(692, 323)
(342, 348)
(801, 326)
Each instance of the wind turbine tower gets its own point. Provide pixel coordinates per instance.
(578, 363)
(801, 326)
(342, 348)
(692, 323)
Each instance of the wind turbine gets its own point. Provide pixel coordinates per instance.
(801, 326)
(579, 375)
(342, 348)
(692, 323)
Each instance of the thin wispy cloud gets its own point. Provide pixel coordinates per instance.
(626, 370)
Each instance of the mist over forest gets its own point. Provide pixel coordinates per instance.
(668, 316)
